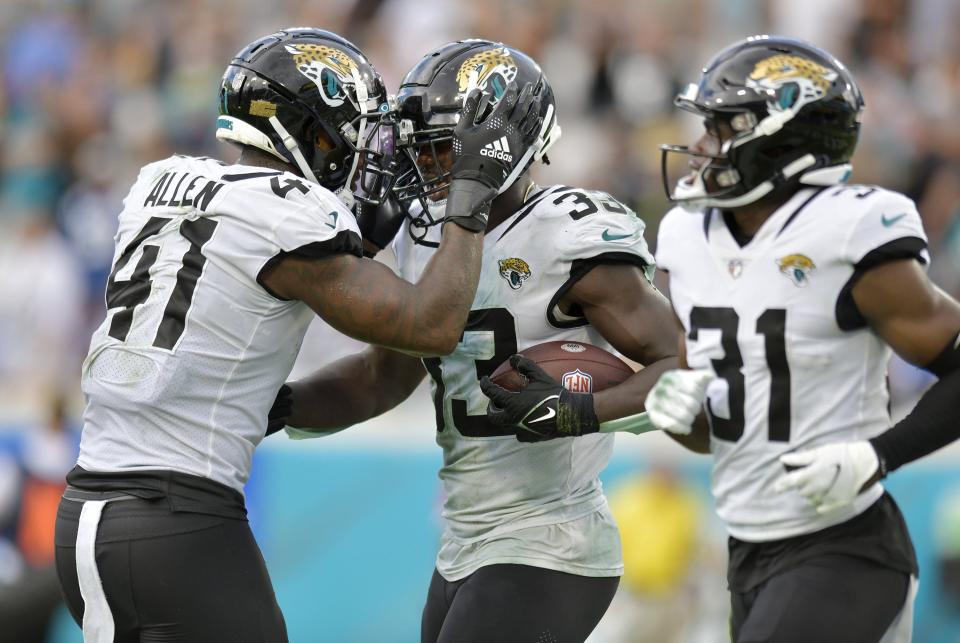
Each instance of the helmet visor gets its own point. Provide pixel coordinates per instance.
(376, 165)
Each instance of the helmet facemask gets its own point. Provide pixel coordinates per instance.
(423, 163)
(716, 181)
(373, 167)
(425, 155)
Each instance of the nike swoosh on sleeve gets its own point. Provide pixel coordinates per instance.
(887, 222)
(606, 236)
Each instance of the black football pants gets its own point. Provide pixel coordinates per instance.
(827, 599)
(515, 604)
(170, 576)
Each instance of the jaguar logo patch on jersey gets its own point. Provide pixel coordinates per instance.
(490, 70)
(327, 67)
(578, 382)
(797, 268)
(791, 81)
(515, 270)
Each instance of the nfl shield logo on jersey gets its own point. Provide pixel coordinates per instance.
(735, 267)
(578, 382)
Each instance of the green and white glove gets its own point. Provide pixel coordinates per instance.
(676, 399)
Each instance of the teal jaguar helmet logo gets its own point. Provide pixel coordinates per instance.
(491, 71)
(329, 68)
(792, 81)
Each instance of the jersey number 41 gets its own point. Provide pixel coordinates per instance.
(129, 294)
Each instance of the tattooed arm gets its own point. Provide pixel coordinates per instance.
(366, 300)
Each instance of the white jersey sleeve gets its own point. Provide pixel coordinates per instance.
(597, 229)
(888, 224)
(320, 224)
(309, 221)
(885, 226)
(611, 230)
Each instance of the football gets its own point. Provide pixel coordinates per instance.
(580, 367)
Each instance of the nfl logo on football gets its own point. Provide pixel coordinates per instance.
(578, 382)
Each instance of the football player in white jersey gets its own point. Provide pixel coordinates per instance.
(530, 550)
(792, 288)
(218, 271)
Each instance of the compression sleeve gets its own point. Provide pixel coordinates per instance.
(637, 424)
(934, 422)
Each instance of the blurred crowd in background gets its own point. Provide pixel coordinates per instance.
(91, 90)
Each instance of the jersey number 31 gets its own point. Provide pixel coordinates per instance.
(772, 325)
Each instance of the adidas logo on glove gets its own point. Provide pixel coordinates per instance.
(499, 150)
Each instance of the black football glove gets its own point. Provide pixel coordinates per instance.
(480, 168)
(280, 411)
(543, 409)
(379, 224)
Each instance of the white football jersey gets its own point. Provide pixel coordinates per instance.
(506, 501)
(182, 372)
(797, 365)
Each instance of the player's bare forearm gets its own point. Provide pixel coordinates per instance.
(449, 285)
(354, 389)
(922, 324)
(638, 321)
(698, 440)
(627, 398)
(367, 301)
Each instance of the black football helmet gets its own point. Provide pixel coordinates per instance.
(795, 113)
(428, 107)
(310, 98)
